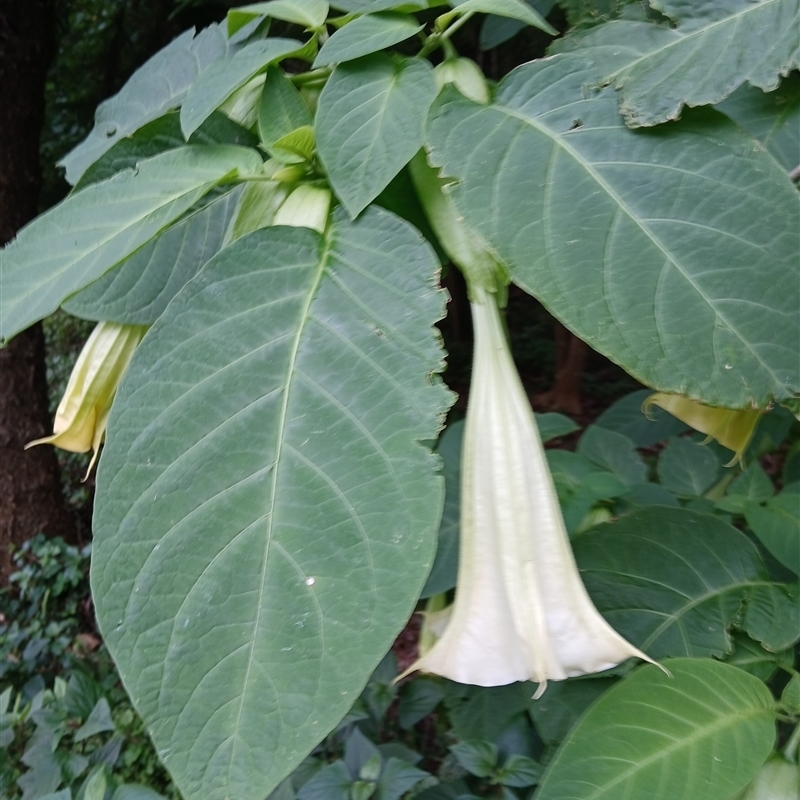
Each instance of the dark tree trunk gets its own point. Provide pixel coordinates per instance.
(30, 492)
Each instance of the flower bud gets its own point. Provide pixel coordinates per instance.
(730, 427)
(778, 779)
(466, 76)
(82, 414)
(306, 207)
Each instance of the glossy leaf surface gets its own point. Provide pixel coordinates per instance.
(692, 288)
(267, 513)
(673, 581)
(702, 731)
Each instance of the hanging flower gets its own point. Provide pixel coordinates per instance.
(521, 611)
(730, 427)
(82, 414)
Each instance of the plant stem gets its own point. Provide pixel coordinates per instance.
(437, 39)
(313, 76)
(790, 751)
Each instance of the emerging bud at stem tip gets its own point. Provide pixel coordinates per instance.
(521, 611)
(82, 414)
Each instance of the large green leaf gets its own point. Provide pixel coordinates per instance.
(214, 86)
(367, 35)
(692, 288)
(777, 525)
(702, 731)
(773, 119)
(716, 46)
(77, 241)
(138, 290)
(673, 581)
(266, 515)
(159, 135)
(156, 87)
(308, 13)
(369, 123)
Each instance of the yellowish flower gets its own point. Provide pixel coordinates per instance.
(521, 611)
(731, 428)
(82, 414)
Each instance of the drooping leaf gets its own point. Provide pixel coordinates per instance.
(687, 468)
(137, 291)
(672, 581)
(159, 135)
(77, 241)
(562, 192)
(282, 108)
(155, 88)
(216, 84)
(514, 9)
(308, 13)
(268, 516)
(369, 123)
(496, 30)
(715, 47)
(701, 731)
(366, 35)
(373, 6)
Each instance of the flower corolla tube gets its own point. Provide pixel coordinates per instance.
(521, 611)
(82, 414)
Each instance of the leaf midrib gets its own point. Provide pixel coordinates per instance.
(623, 206)
(305, 316)
(685, 37)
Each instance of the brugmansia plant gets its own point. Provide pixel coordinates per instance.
(273, 211)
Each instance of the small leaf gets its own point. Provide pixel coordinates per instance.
(556, 711)
(98, 722)
(282, 108)
(358, 753)
(369, 123)
(687, 468)
(481, 713)
(418, 698)
(552, 426)
(220, 81)
(366, 35)
(477, 758)
(754, 658)
(791, 695)
(147, 95)
(753, 484)
(627, 417)
(614, 452)
(514, 9)
(702, 731)
(397, 778)
(77, 241)
(309, 13)
(777, 525)
(294, 148)
(330, 783)
(518, 771)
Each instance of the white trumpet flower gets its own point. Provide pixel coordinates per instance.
(521, 611)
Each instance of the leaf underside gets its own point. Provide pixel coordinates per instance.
(267, 516)
(674, 254)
